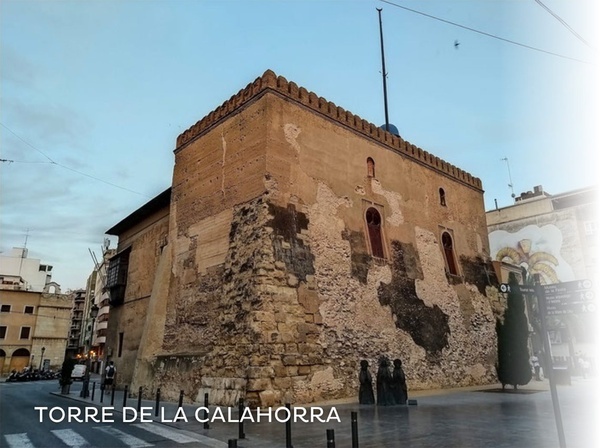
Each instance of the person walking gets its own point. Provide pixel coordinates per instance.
(535, 362)
(109, 378)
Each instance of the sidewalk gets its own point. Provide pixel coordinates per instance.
(466, 417)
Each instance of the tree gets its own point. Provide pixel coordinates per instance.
(65, 374)
(513, 355)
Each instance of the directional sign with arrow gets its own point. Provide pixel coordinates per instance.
(570, 297)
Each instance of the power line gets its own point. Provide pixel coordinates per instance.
(26, 142)
(52, 162)
(565, 24)
(483, 32)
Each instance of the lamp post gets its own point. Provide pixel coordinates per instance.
(42, 358)
(85, 390)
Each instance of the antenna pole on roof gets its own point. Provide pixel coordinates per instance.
(383, 73)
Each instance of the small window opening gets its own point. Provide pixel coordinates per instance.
(5, 309)
(442, 197)
(370, 167)
(449, 253)
(28, 310)
(374, 228)
(25, 332)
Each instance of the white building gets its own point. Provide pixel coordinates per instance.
(22, 273)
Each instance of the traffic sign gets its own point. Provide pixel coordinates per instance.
(570, 297)
(563, 298)
(505, 287)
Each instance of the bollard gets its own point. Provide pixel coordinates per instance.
(93, 390)
(330, 438)
(112, 396)
(241, 434)
(101, 392)
(139, 406)
(205, 412)
(157, 402)
(232, 443)
(288, 428)
(354, 421)
(181, 399)
(125, 396)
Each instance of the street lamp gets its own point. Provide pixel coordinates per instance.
(42, 358)
(85, 391)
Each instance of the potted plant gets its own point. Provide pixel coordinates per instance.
(65, 375)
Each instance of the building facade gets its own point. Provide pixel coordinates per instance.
(555, 236)
(17, 271)
(74, 345)
(297, 239)
(34, 329)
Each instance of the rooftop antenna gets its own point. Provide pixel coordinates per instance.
(510, 185)
(383, 73)
(23, 252)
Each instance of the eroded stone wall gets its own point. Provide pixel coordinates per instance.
(274, 295)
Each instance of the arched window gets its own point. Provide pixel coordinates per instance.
(374, 228)
(442, 197)
(370, 167)
(449, 253)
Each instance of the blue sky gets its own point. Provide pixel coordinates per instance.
(100, 90)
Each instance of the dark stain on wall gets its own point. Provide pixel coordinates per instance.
(428, 326)
(287, 224)
(359, 257)
(478, 272)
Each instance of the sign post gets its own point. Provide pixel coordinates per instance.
(541, 296)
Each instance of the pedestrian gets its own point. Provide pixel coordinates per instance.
(535, 362)
(398, 383)
(109, 378)
(384, 393)
(365, 391)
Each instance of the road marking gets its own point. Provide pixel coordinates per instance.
(70, 438)
(127, 439)
(160, 430)
(18, 440)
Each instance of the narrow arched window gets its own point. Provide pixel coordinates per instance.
(370, 167)
(374, 227)
(442, 197)
(449, 253)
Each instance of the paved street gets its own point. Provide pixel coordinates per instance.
(481, 417)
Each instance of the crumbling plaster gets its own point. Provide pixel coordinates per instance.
(273, 294)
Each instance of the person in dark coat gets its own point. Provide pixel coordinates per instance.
(399, 389)
(384, 393)
(365, 391)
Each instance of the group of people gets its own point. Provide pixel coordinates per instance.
(391, 387)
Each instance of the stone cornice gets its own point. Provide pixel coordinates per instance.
(289, 89)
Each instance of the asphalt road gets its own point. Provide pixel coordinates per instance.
(464, 418)
(22, 426)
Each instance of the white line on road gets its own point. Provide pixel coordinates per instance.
(18, 440)
(160, 430)
(70, 438)
(127, 439)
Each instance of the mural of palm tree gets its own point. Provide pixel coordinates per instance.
(542, 263)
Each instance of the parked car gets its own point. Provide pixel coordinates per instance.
(78, 372)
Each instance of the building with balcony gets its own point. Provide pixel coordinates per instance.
(19, 272)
